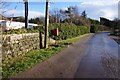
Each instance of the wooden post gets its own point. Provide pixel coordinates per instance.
(26, 13)
(46, 24)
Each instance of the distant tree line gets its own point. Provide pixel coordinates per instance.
(70, 15)
(114, 24)
(37, 20)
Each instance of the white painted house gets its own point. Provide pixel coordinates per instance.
(14, 25)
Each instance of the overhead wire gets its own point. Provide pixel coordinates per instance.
(13, 13)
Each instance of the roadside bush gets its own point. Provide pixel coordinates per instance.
(97, 28)
(15, 31)
(67, 30)
(93, 29)
(21, 31)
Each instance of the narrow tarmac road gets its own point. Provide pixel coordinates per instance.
(101, 60)
(61, 65)
(94, 56)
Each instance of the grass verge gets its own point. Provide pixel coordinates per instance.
(36, 56)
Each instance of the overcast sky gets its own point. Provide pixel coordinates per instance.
(94, 8)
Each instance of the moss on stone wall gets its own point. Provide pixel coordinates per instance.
(16, 45)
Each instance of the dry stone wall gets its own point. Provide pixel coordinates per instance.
(15, 45)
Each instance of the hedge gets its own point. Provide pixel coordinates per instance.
(67, 30)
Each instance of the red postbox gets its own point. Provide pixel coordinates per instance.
(56, 32)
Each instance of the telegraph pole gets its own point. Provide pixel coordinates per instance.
(26, 13)
(46, 24)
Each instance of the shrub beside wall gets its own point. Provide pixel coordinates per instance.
(19, 43)
(98, 28)
(67, 30)
(21, 31)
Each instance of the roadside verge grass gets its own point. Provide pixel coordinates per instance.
(34, 57)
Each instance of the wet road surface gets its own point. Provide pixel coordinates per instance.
(93, 56)
(61, 65)
(100, 59)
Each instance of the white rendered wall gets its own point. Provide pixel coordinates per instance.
(15, 25)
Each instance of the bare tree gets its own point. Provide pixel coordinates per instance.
(62, 14)
(70, 13)
(75, 11)
(55, 14)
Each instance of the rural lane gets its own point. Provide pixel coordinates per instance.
(101, 59)
(93, 56)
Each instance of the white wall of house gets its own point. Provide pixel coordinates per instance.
(15, 25)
